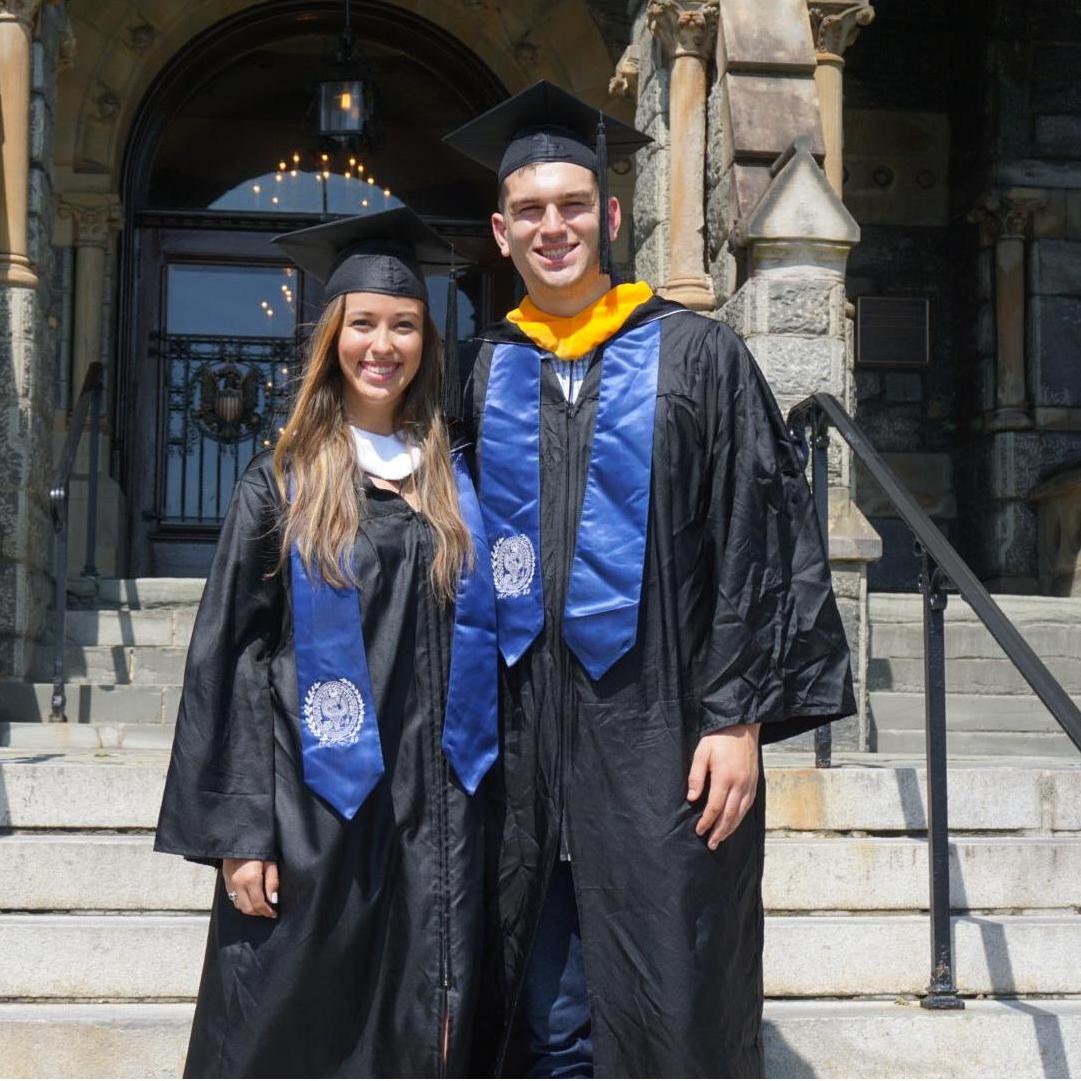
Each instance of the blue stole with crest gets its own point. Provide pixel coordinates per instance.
(341, 754)
(600, 621)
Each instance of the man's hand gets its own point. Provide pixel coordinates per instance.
(255, 883)
(730, 757)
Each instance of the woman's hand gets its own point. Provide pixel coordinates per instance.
(255, 883)
(730, 758)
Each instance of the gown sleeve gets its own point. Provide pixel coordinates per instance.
(219, 791)
(777, 652)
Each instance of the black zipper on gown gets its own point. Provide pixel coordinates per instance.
(437, 664)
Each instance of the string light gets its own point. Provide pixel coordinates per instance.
(386, 193)
(255, 188)
(296, 158)
(263, 304)
(364, 202)
(281, 166)
(274, 200)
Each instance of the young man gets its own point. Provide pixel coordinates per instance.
(665, 608)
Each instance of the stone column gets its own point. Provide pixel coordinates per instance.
(687, 31)
(16, 21)
(835, 26)
(1005, 219)
(95, 219)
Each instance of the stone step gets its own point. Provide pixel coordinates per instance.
(964, 712)
(969, 675)
(871, 792)
(102, 872)
(60, 738)
(973, 640)
(1005, 744)
(90, 703)
(95, 871)
(1012, 1038)
(1021, 610)
(138, 957)
(129, 627)
(153, 666)
(114, 593)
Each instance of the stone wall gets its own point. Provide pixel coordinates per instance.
(650, 205)
(28, 351)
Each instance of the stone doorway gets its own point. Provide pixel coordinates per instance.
(225, 155)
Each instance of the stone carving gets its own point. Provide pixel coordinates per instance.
(836, 26)
(527, 52)
(141, 37)
(684, 27)
(108, 104)
(1006, 215)
(95, 221)
(66, 51)
(624, 83)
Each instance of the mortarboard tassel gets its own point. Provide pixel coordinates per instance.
(452, 379)
(602, 185)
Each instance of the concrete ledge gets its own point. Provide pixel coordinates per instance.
(61, 872)
(1014, 1038)
(970, 675)
(1004, 1038)
(138, 957)
(868, 873)
(1006, 744)
(48, 873)
(985, 713)
(101, 791)
(122, 790)
(1010, 1038)
(89, 703)
(149, 592)
(39, 736)
(848, 956)
(1022, 610)
(38, 1040)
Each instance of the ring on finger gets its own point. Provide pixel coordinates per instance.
(231, 894)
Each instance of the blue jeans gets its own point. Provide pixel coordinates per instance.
(554, 999)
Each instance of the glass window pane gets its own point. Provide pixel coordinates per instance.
(243, 301)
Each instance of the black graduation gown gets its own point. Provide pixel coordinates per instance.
(378, 936)
(737, 624)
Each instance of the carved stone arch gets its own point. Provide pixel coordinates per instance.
(123, 45)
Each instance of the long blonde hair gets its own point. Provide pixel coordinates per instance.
(316, 455)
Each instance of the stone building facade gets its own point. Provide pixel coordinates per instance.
(813, 162)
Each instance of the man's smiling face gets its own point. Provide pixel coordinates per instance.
(549, 225)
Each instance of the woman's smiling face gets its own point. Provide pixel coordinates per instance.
(379, 350)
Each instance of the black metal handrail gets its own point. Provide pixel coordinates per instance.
(89, 401)
(941, 567)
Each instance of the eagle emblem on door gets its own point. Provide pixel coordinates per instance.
(228, 407)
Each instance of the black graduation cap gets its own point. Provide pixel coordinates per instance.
(382, 253)
(545, 123)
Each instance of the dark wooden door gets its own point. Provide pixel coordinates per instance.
(220, 323)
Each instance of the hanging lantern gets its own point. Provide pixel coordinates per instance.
(342, 100)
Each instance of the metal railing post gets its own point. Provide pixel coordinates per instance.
(60, 602)
(90, 569)
(820, 485)
(942, 989)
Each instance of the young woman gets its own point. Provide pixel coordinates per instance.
(339, 703)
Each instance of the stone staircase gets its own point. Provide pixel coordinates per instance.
(989, 707)
(103, 939)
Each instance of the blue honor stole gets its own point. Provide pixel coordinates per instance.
(600, 621)
(341, 754)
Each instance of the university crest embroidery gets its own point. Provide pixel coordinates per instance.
(514, 562)
(334, 712)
